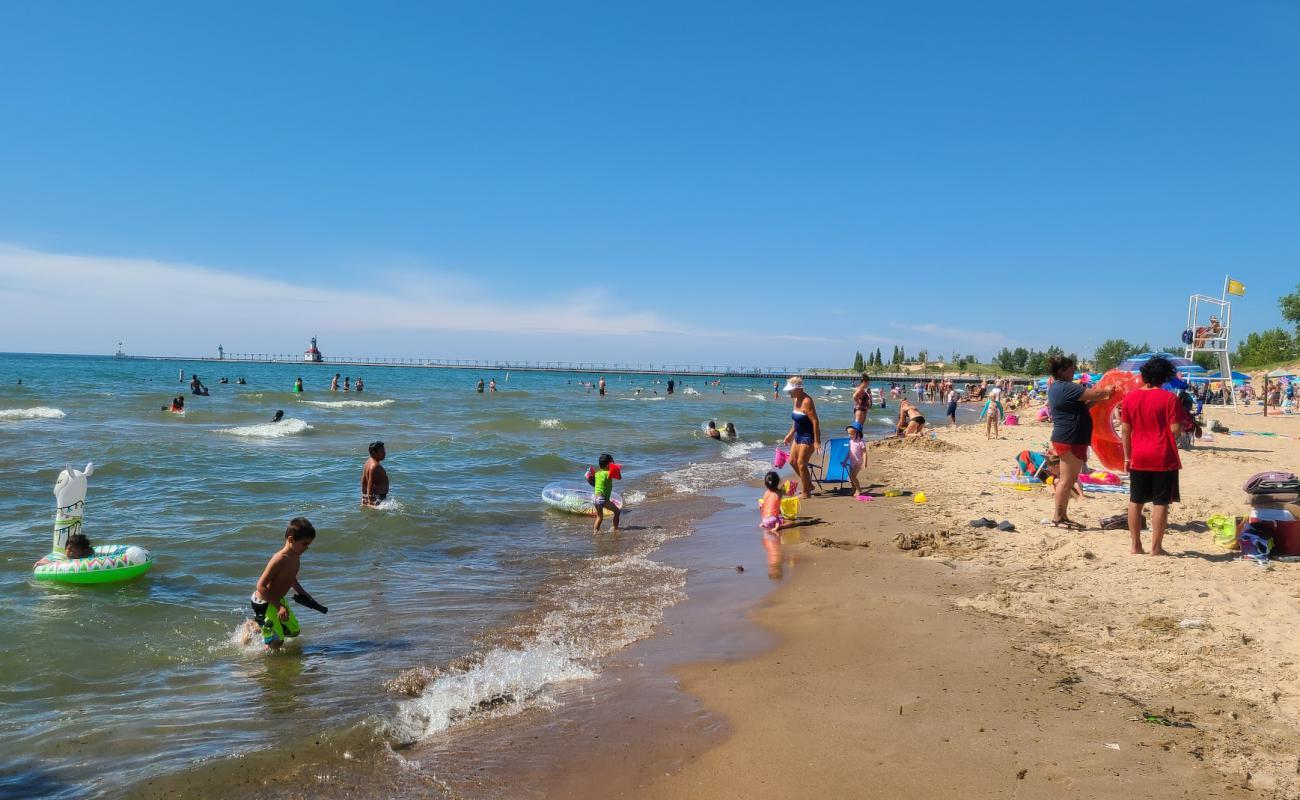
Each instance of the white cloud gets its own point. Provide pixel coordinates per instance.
(77, 303)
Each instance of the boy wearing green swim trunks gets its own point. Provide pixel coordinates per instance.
(281, 575)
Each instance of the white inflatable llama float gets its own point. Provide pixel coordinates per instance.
(109, 563)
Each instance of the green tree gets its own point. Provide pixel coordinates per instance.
(1290, 305)
(879, 362)
(1265, 347)
(961, 363)
(1113, 351)
(858, 364)
(1208, 360)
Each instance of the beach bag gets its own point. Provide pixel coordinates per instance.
(1272, 483)
(1011, 419)
(1224, 529)
(1254, 544)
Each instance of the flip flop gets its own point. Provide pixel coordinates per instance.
(1006, 525)
(1065, 524)
(982, 522)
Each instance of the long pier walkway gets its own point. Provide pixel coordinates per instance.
(589, 367)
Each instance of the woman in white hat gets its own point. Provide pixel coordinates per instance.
(805, 436)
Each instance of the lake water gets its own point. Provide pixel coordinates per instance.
(462, 594)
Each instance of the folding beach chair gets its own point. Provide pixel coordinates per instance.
(834, 453)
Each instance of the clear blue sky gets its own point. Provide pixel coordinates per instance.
(778, 183)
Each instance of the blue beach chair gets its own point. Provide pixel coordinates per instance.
(834, 453)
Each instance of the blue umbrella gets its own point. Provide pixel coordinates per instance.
(1237, 377)
(1134, 363)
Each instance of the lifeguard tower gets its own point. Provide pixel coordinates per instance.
(1209, 324)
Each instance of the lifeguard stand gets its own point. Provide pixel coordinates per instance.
(1209, 323)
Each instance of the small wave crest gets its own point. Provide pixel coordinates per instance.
(349, 403)
(269, 430)
(740, 449)
(550, 423)
(634, 497)
(691, 391)
(699, 477)
(40, 412)
(612, 602)
(390, 504)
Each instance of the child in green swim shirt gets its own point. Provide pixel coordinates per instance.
(606, 474)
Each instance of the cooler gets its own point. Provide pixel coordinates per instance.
(1284, 532)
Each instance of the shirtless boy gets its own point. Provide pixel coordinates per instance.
(374, 479)
(281, 575)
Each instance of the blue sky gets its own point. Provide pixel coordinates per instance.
(738, 182)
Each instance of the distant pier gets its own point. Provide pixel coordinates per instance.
(587, 367)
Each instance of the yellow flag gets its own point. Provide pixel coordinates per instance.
(1236, 287)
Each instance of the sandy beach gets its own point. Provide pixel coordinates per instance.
(920, 657)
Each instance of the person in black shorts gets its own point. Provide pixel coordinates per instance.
(1150, 421)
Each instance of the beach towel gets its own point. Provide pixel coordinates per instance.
(1272, 483)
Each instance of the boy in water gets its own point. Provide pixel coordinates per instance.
(604, 482)
(374, 479)
(281, 575)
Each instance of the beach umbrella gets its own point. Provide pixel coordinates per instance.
(1192, 369)
(1237, 377)
(1134, 363)
(1281, 373)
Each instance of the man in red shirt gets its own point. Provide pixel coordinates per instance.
(1151, 419)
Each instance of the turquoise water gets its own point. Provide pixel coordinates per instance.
(461, 591)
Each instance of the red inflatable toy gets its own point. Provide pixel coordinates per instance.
(1105, 418)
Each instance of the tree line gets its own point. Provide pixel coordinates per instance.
(899, 357)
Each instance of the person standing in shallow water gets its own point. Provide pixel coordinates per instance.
(479, 386)
(601, 385)
(862, 400)
(374, 479)
(805, 436)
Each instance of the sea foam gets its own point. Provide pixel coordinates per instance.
(40, 412)
(349, 403)
(612, 602)
(269, 430)
(695, 478)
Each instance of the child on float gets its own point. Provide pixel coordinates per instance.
(1150, 421)
(856, 460)
(78, 546)
(606, 473)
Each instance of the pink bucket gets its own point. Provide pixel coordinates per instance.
(779, 458)
(1011, 419)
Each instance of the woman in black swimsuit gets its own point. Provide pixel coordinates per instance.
(862, 400)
